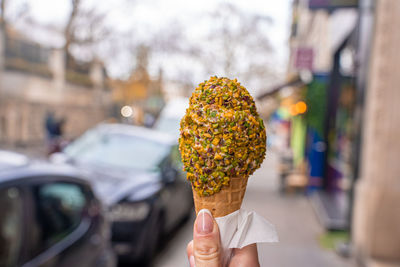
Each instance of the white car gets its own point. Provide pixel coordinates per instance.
(171, 116)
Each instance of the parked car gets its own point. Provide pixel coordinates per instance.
(137, 172)
(171, 116)
(49, 217)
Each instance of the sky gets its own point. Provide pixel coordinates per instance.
(152, 16)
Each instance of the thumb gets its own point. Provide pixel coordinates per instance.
(206, 241)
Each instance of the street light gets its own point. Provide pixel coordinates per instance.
(126, 111)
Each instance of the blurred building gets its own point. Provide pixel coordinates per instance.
(318, 106)
(376, 220)
(323, 55)
(143, 94)
(35, 80)
(345, 148)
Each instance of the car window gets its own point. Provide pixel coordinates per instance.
(59, 208)
(177, 162)
(11, 206)
(168, 124)
(118, 151)
(176, 157)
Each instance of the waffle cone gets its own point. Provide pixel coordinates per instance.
(226, 201)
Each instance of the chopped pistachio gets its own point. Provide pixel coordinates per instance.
(222, 135)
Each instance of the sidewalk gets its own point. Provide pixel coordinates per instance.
(294, 219)
(292, 216)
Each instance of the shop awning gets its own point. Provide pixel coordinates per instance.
(296, 82)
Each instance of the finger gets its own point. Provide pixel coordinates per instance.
(206, 240)
(189, 251)
(189, 248)
(247, 256)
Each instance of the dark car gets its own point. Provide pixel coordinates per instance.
(137, 172)
(49, 217)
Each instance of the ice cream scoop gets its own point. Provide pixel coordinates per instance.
(222, 142)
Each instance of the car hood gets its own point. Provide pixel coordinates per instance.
(112, 185)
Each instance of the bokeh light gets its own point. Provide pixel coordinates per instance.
(126, 111)
(301, 107)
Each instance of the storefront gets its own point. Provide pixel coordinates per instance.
(325, 138)
(338, 148)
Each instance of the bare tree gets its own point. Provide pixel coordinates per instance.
(238, 46)
(69, 31)
(2, 13)
(19, 10)
(84, 29)
(2, 33)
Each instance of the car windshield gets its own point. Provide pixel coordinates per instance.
(168, 125)
(117, 150)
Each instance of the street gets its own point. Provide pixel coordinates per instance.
(102, 102)
(292, 215)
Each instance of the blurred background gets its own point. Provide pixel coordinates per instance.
(92, 93)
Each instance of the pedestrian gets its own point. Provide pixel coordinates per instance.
(205, 249)
(59, 128)
(49, 125)
(54, 131)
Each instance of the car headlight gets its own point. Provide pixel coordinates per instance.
(129, 211)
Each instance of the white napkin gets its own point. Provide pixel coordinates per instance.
(242, 228)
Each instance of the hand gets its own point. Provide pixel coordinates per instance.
(205, 249)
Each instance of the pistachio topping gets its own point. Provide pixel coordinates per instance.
(221, 135)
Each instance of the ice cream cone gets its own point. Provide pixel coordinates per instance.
(228, 200)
